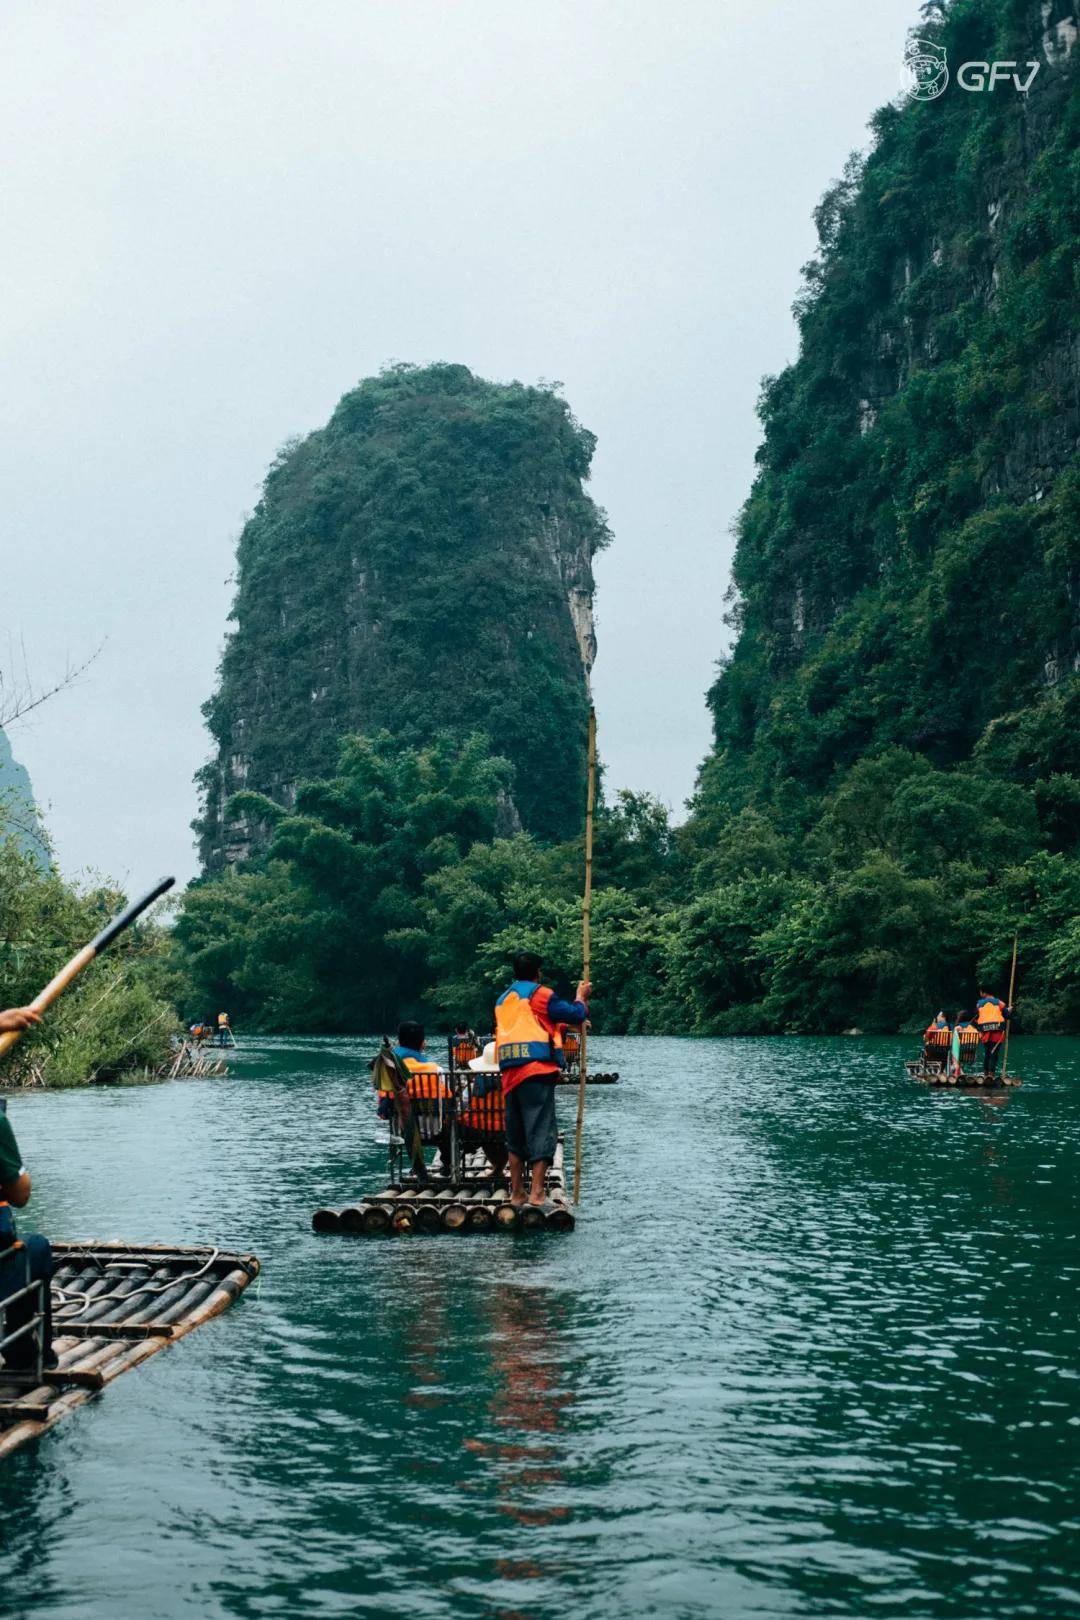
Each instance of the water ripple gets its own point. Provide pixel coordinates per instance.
(812, 1350)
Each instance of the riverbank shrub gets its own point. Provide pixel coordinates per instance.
(117, 1017)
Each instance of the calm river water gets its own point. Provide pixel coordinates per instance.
(812, 1350)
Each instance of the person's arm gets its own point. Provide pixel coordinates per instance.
(15, 1183)
(570, 1012)
(17, 1192)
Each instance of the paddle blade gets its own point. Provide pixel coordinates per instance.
(125, 918)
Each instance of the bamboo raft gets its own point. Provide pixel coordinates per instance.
(193, 1061)
(114, 1306)
(934, 1074)
(479, 1203)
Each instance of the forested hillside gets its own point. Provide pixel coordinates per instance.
(422, 563)
(897, 732)
(895, 783)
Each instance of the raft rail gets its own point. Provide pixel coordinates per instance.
(114, 1306)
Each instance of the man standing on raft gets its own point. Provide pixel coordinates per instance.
(529, 1049)
(991, 1016)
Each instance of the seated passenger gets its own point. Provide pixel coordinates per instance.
(465, 1046)
(425, 1102)
(15, 1188)
(482, 1122)
(571, 1041)
(937, 1040)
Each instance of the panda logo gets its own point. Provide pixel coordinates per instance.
(926, 70)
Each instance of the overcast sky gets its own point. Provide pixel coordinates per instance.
(217, 217)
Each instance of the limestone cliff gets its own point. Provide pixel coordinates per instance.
(422, 563)
(907, 570)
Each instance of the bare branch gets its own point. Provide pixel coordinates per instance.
(19, 697)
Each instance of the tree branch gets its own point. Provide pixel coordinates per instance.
(19, 697)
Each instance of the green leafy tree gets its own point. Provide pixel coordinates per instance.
(326, 936)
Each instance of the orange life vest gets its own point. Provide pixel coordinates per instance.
(938, 1035)
(426, 1082)
(520, 1037)
(968, 1034)
(486, 1114)
(989, 1017)
(464, 1048)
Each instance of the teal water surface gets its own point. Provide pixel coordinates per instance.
(812, 1350)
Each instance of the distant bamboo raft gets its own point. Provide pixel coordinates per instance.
(193, 1061)
(114, 1306)
(480, 1203)
(590, 1079)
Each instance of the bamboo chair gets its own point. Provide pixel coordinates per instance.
(422, 1109)
(937, 1046)
(481, 1121)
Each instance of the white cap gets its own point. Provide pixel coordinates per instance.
(487, 1063)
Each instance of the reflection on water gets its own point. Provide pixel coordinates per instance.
(811, 1351)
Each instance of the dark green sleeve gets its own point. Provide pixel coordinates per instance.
(10, 1157)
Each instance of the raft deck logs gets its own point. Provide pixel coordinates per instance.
(480, 1203)
(935, 1074)
(114, 1306)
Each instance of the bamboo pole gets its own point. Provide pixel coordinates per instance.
(59, 983)
(586, 948)
(1008, 1021)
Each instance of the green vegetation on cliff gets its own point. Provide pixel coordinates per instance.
(897, 725)
(422, 564)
